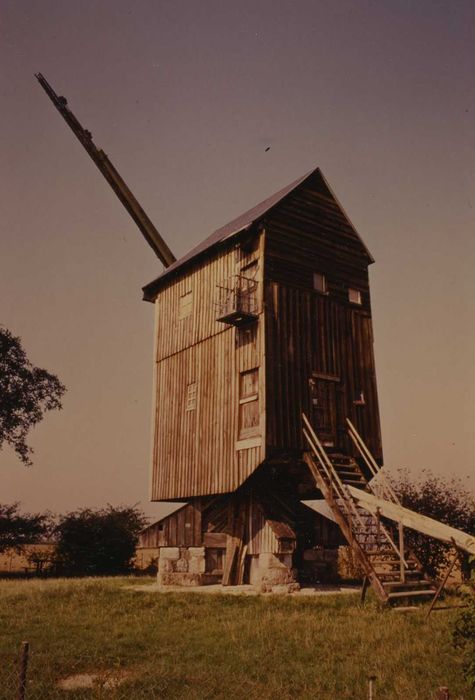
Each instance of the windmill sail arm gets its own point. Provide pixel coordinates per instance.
(146, 227)
(413, 520)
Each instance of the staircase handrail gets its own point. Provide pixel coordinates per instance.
(341, 499)
(371, 462)
(333, 477)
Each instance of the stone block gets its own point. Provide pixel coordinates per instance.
(277, 576)
(180, 579)
(197, 565)
(196, 551)
(169, 553)
(181, 565)
(165, 565)
(267, 560)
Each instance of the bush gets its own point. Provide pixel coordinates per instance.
(445, 500)
(464, 633)
(98, 542)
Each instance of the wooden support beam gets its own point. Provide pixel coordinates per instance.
(364, 589)
(402, 569)
(442, 584)
(413, 520)
(233, 573)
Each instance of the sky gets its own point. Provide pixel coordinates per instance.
(186, 97)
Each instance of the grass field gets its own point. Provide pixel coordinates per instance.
(205, 646)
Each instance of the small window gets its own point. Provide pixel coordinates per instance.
(185, 305)
(320, 283)
(191, 394)
(249, 403)
(354, 295)
(360, 400)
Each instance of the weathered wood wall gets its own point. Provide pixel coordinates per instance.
(310, 333)
(180, 529)
(197, 446)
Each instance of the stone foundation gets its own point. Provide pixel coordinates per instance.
(273, 573)
(181, 566)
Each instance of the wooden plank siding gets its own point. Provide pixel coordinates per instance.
(261, 537)
(311, 333)
(180, 529)
(197, 450)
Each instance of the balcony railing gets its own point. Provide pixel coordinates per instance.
(237, 300)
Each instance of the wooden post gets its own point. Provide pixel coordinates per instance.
(364, 588)
(25, 647)
(402, 568)
(378, 528)
(442, 584)
(371, 680)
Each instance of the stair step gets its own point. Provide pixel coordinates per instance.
(407, 594)
(394, 577)
(394, 564)
(406, 584)
(385, 552)
(409, 572)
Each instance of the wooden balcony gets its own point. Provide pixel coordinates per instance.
(237, 301)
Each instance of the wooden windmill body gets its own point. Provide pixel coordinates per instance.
(267, 319)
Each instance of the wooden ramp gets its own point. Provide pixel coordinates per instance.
(394, 573)
(413, 520)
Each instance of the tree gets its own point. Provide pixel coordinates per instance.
(26, 393)
(444, 499)
(17, 530)
(97, 542)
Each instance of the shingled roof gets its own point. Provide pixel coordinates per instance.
(241, 223)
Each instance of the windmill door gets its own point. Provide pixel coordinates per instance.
(324, 408)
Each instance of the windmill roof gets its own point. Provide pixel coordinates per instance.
(230, 229)
(241, 223)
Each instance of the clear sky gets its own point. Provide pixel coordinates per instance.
(185, 96)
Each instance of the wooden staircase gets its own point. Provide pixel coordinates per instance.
(394, 573)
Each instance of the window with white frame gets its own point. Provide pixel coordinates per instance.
(249, 403)
(354, 296)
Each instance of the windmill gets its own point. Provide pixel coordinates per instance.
(266, 400)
